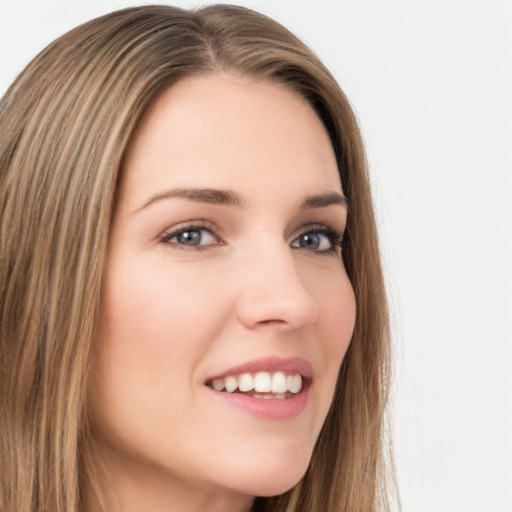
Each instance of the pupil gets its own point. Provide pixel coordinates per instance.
(189, 237)
(310, 240)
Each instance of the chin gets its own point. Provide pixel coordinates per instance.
(274, 487)
(270, 476)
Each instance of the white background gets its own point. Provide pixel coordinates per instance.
(431, 82)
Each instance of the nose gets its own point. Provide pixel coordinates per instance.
(273, 293)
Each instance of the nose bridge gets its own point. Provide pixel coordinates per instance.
(272, 290)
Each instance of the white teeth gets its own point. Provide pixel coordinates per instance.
(279, 384)
(296, 384)
(246, 382)
(262, 382)
(218, 384)
(231, 384)
(281, 396)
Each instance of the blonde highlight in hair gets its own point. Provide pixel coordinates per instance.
(66, 123)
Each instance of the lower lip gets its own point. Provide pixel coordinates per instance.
(268, 409)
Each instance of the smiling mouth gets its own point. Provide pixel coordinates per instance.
(263, 385)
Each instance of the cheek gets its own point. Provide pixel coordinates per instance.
(337, 321)
(338, 318)
(336, 302)
(155, 327)
(158, 315)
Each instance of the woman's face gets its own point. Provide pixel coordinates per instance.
(224, 269)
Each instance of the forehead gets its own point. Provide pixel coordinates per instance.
(223, 130)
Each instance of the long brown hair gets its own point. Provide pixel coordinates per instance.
(65, 124)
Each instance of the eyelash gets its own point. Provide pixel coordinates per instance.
(198, 225)
(334, 236)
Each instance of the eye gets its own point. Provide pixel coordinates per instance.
(319, 239)
(194, 236)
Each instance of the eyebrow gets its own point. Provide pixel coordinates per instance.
(324, 200)
(200, 195)
(230, 198)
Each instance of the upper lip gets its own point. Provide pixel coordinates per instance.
(291, 365)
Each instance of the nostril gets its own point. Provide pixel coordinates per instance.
(272, 321)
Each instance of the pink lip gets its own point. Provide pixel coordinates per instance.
(270, 364)
(272, 409)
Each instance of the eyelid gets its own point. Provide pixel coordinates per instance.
(198, 224)
(334, 235)
(318, 226)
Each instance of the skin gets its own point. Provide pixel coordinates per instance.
(175, 315)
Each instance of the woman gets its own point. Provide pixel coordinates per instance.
(193, 311)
